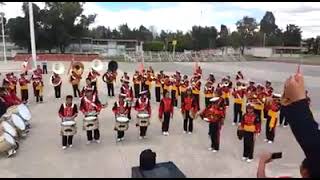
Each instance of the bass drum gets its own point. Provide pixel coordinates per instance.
(19, 124)
(7, 142)
(8, 128)
(24, 112)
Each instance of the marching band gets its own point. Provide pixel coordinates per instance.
(251, 103)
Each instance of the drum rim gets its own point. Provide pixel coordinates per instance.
(90, 118)
(63, 123)
(23, 108)
(17, 116)
(9, 125)
(122, 121)
(6, 135)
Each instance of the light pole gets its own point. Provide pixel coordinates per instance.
(3, 38)
(33, 44)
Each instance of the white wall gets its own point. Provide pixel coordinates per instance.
(258, 51)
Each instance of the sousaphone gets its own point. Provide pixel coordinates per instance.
(97, 65)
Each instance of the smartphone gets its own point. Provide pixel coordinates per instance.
(277, 155)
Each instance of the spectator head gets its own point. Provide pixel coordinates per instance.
(2, 91)
(304, 169)
(69, 99)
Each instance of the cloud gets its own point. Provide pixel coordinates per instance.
(178, 16)
(14, 9)
(303, 14)
(174, 16)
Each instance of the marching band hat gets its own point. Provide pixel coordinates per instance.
(267, 81)
(249, 105)
(214, 99)
(143, 92)
(276, 95)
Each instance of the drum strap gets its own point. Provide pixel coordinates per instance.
(91, 102)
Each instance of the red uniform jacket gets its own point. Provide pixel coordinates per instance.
(84, 89)
(10, 99)
(108, 77)
(166, 105)
(143, 104)
(68, 110)
(250, 120)
(189, 104)
(128, 91)
(87, 105)
(120, 108)
(214, 114)
(268, 91)
(236, 93)
(23, 81)
(93, 75)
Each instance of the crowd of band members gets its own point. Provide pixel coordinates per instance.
(260, 102)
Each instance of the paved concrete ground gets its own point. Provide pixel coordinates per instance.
(41, 155)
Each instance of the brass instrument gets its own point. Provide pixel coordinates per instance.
(97, 65)
(76, 71)
(57, 68)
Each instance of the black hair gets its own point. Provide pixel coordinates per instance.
(88, 79)
(2, 89)
(311, 167)
(69, 97)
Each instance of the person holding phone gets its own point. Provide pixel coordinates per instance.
(266, 158)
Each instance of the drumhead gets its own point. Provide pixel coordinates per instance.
(68, 123)
(8, 128)
(18, 122)
(90, 118)
(122, 119)
(9, 138)
(143, 115)
(24, 112)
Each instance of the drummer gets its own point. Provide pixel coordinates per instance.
(142, 105)
(127, 90)
(68, 110)
(9, 98)
(90, 103)
(120, 108)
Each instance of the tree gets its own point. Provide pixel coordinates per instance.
(292, 35)
(246, 27)
(310, 44)
(268, 23)
(223, 36)
(204, 37)
(235, 39)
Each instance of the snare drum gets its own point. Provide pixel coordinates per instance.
(8, 128)
(122, 123)
(68, 128)
(143, 119)
(7, 142)
(90, 123)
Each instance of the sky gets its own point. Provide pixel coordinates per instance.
(174, 16)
